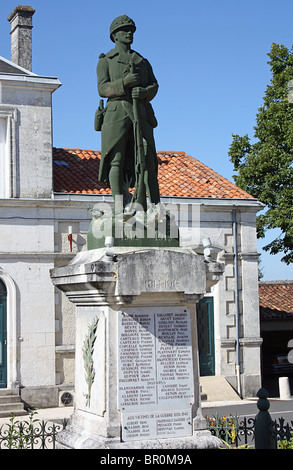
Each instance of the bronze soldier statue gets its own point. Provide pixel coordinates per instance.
(128, 154)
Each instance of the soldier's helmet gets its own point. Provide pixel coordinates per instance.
(119, 22)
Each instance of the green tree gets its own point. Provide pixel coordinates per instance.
(265, 167)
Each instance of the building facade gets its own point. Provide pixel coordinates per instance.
(45, 194)
(276, 322)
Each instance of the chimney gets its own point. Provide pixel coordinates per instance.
(21, 36)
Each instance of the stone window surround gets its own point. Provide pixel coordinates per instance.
(10, 113)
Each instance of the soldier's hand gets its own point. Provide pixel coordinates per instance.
(131, 80)
(139, 93)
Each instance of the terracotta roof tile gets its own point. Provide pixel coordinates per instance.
(276, 300)
(76, 171)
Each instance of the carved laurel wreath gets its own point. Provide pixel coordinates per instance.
(87, 350)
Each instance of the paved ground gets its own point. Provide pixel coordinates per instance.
(57, 414)
(247, 406)
(47, 414)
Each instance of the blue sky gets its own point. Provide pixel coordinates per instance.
(209, 57)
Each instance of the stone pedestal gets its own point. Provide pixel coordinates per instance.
(137, 372)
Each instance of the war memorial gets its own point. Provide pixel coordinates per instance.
(134, 289)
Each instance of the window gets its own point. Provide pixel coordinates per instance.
(4, 160)
(2, 289)
(9, 165)
(3, 336)
(205, 328)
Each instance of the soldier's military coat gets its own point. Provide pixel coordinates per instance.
(118, 116)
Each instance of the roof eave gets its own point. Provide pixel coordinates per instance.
(27, 77)
(220, 202)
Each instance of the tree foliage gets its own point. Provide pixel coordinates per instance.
(265, 167)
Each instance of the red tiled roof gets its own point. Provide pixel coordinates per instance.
(76, 171)
(276, 300)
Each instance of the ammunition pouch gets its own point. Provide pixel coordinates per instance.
(99, 116)
(152, 120)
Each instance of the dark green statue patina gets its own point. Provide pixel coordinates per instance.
(128, 154)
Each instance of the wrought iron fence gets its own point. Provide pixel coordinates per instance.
(238, 433)
(231, 430)
(30, 434)
(260, 432)
(283, 431)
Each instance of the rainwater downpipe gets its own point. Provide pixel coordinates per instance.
(237, 366)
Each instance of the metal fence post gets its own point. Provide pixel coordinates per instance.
(265, 437)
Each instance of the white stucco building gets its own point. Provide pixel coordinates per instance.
(41, 202)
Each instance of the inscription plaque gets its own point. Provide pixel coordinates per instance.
(155, 425)
(155, 372)
(136, 361)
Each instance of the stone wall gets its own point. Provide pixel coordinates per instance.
(26, 105)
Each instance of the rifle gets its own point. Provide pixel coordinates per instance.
(139, 154)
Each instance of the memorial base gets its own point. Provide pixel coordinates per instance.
(155, 228)
(73, 438)
(137, 372)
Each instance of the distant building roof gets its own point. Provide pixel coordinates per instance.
(76, 171)
(276, 300)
